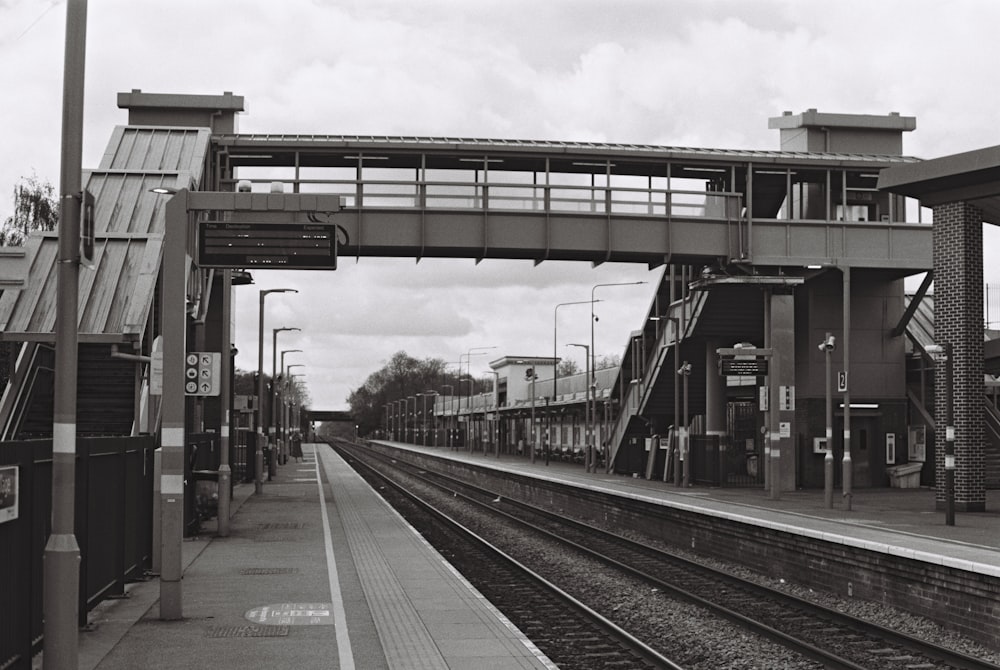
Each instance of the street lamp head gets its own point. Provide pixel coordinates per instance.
(265, 291)
(828, 344)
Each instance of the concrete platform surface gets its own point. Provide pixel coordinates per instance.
(903, 522)
(317, 572)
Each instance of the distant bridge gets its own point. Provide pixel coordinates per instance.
(327, 415)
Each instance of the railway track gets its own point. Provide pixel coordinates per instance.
(831, 638)
(569, 632)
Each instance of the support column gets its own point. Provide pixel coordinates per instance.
(958, 320)
(782, 392)
(174, 320)
(715, 396)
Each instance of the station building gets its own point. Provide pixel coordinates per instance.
(765, 255)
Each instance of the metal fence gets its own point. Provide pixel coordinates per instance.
(113, 505)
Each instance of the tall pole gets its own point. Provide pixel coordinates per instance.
(949, 445)
(827, 348)
(423, 417)
(225, 385)
(413, 431)
(272, 430)
(592, 375)
(941, 353)
(848, 469)
(677, 403)
(259, 450)
(685, 450)
(531, 438)
(283, 424)
(172, 433)
(555, 356)
(451, 393)
(587, 442)
(61, 572)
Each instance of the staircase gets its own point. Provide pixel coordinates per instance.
(991, 464)
(637, 392)
(105, 393)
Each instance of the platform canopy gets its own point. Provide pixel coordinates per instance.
(973, 177)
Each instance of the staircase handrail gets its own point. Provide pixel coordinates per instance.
(639, 390)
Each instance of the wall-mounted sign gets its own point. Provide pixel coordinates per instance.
(734, 367)
(8, 493)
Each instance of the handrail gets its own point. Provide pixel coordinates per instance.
(635, 398)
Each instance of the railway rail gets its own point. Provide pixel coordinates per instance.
(831, 638)
(569, 632)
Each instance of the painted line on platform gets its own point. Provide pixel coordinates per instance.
(337, 598)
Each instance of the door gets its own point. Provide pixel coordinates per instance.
(864, 450)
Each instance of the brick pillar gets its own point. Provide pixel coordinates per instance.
(958, 319)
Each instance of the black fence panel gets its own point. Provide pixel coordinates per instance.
(113, 517)
(705, 466)
(20, 575)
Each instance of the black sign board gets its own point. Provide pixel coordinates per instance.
(756, 367)
(279, 246)
(8, 493)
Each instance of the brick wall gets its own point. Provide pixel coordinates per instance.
(958, 320)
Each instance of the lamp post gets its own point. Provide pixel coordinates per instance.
(259, 450)
(468, 363)
(468, 421)
(941, 353)
(588, 436)
(289, 385)
(555, 357)
(424, 412)
(61, 565)
(451, 393)
(684, 442)
(413, 431)
(282, 425)
(491, 426)
(400, 435)
(827, 346)
(592, 376)
(293, 417)
(532, 377)
(272, 432)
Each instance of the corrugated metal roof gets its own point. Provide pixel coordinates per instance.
(921, 327)
(116, 294)
(500, 146)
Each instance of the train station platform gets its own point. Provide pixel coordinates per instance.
(896, 521)
(317, 572)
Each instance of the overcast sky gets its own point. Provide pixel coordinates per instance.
(678, 73)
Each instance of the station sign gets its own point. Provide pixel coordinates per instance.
(754, 367)
(8, 493)
(202, 373)
(279, 246)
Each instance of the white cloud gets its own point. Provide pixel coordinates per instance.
(681, 73)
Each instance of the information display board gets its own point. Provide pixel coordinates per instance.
(284, 246)
(744, 368)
